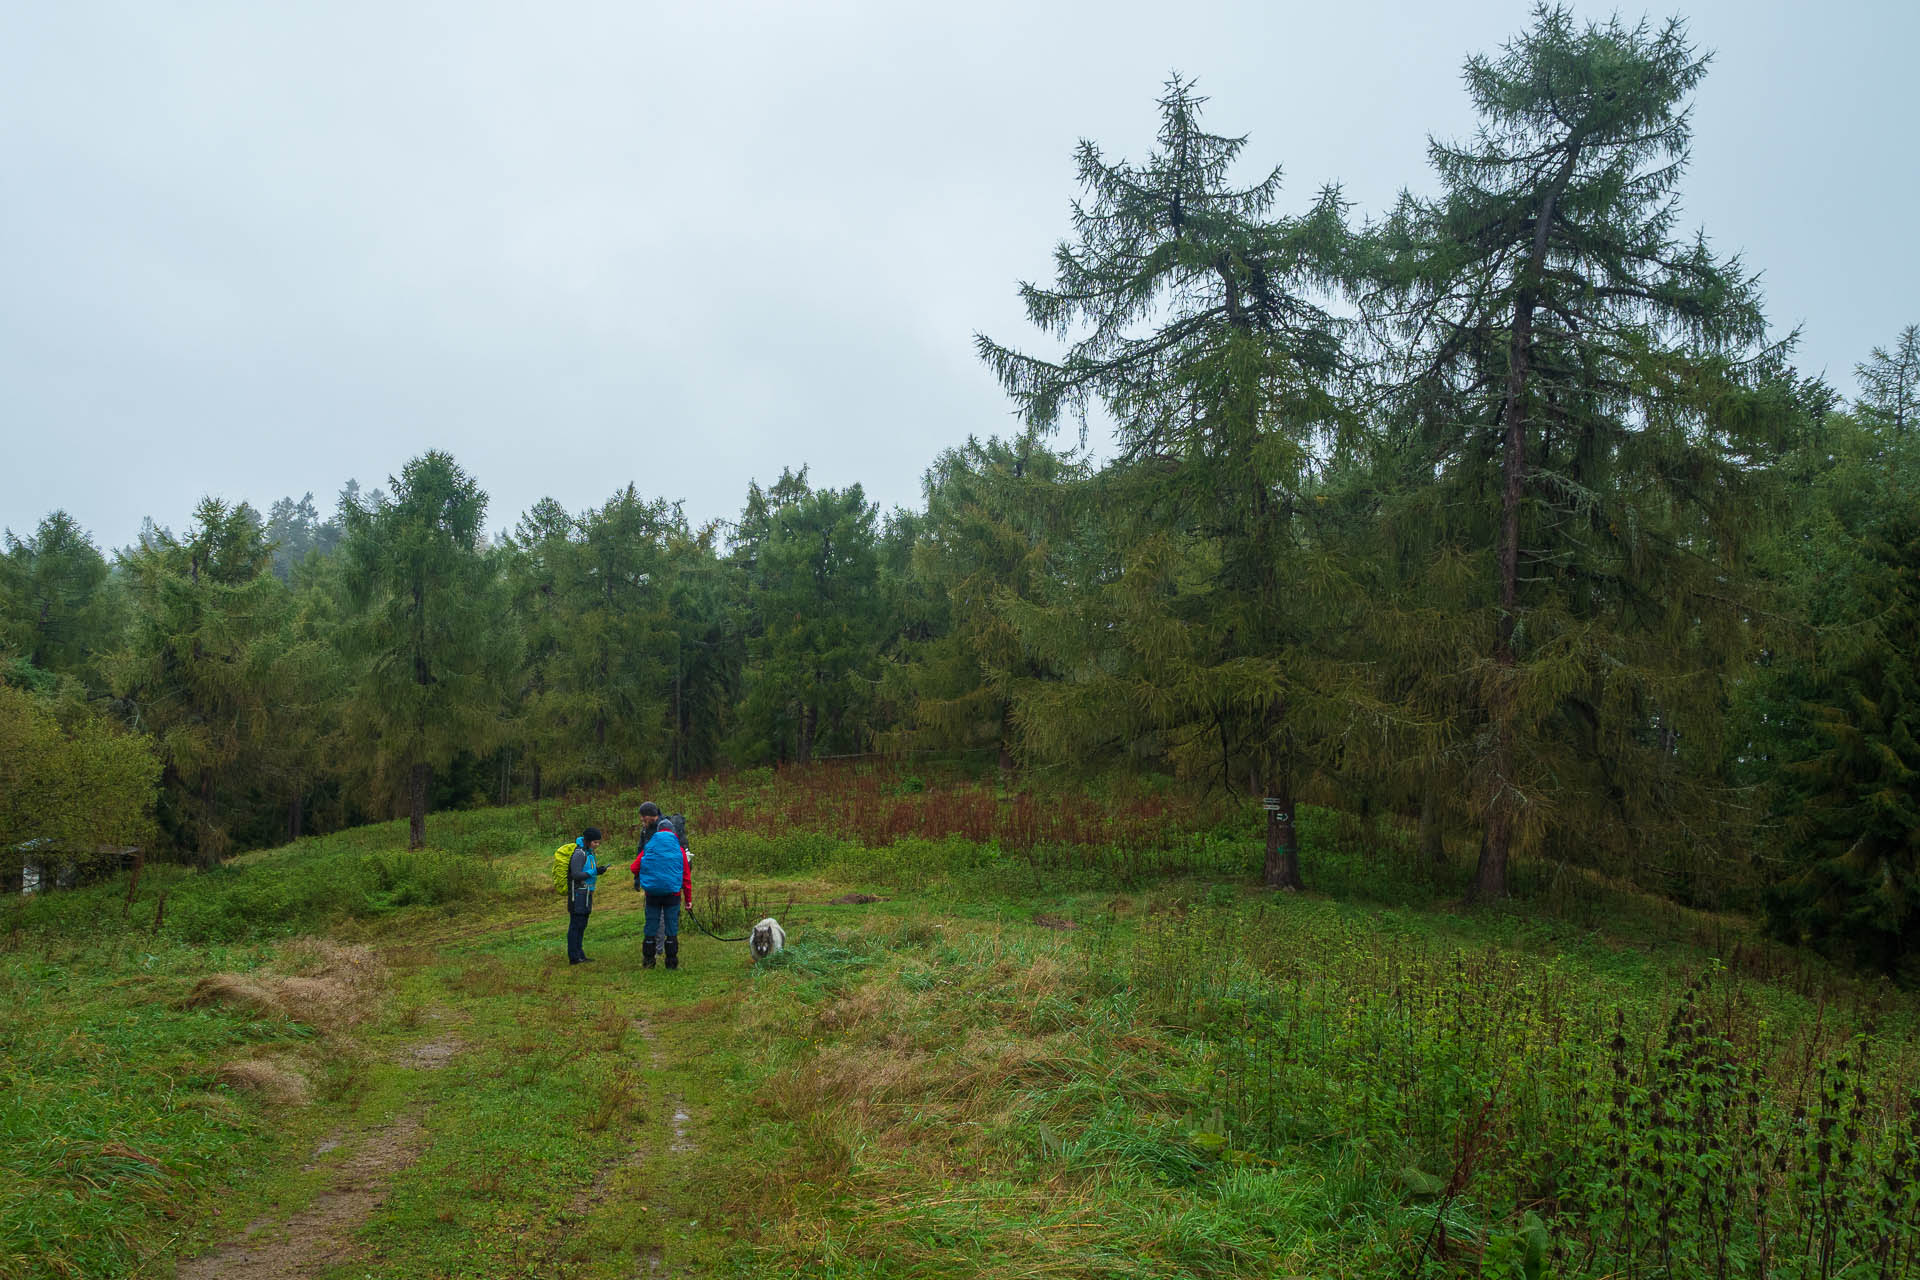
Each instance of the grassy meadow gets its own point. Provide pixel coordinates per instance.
(1010, 1036)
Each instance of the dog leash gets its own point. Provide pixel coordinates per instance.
(688, 912)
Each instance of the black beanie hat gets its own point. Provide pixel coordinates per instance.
(590, 834)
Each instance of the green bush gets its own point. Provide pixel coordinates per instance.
(300, 891)
(276, 898)
(733, 853)
(75, 787)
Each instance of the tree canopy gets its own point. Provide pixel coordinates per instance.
(1499, 516)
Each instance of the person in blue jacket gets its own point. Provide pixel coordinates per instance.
(664, 872)
(583, 871)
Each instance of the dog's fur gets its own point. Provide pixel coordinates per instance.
(767, 938)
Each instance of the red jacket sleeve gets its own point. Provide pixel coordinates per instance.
(686, 886)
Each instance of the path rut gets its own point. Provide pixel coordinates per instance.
(321, 1235)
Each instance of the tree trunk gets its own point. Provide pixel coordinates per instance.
(133, 881)
(417, 805)
(211, 846)
(1433, 849)
(536, 782)
(1490, 872)
(808, 715)
(679, 728)
(1490, 876)
(1283, 841)
(1006, 737)
(295, 811)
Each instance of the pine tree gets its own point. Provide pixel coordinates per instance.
(57, 608)
(986, 538)
(811, 565)
(708, 652)
(1825, 719)
(1200, 321)
(1890, 383)
(1582, 407)
(1851, 808)
(607, 679)
(297, 531)
(200, 671)
(1410, 641)
(536, 556)
(429, 631)
(306, 757)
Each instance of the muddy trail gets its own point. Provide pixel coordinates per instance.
(320, 1236)
(544, 1118)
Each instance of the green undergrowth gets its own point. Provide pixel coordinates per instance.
(309, 886)
(968, 1061)
(118, 1118)
(1234, 1087)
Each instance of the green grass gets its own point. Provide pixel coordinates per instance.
(111, 1115)
(1009, 1065)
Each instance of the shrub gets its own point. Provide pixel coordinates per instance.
(75, 788)
(302, 890)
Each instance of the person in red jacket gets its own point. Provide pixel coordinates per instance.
(663, 869)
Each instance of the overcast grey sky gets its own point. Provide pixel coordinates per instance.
(253, 249)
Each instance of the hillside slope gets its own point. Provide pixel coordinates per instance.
(340, 1059)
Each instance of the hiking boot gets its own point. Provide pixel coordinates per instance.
(673, 953)
(647, 947)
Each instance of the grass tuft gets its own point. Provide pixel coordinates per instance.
(278, 1083)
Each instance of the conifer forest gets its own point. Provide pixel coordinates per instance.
(1502, 515)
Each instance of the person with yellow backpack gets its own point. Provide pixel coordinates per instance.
(581, 874)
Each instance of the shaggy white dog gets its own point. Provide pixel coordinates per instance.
(767, 938)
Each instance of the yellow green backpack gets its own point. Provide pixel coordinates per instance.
(562, 857)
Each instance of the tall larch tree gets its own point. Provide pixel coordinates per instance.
(1201, 321)
(1596, 439)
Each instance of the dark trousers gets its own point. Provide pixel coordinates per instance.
(663, 909)
(576, 932)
